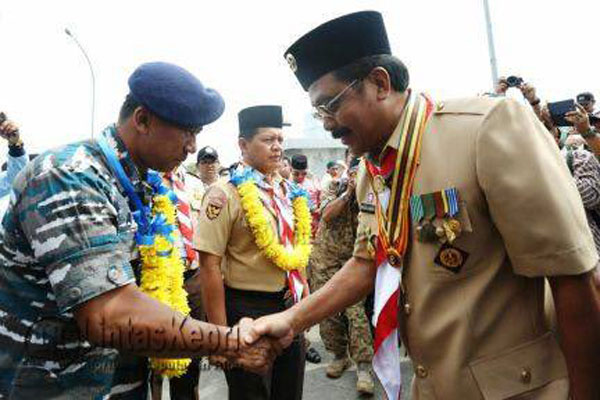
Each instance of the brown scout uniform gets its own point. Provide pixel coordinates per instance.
(222, 230)
(254, 287)
(479, 332)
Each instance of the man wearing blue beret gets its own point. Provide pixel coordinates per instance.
(74, 323)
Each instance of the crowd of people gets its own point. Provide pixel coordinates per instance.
(473, 224)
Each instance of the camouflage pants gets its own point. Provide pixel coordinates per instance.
(348, 331)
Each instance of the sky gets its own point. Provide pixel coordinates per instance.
(237, 48)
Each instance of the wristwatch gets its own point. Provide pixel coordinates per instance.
(590, 133)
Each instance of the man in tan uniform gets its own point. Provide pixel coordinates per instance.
(471, 305)
(250, 283)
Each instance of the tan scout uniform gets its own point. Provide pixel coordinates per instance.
(223, 231)
(480, 332)
(254, 287)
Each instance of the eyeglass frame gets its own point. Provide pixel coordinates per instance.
(322, 111)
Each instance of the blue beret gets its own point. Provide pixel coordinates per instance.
(337, 43)
(175, 95)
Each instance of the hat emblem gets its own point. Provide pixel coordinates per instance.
(289, 57)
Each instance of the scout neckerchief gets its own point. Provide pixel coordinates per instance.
(393, 224)
(184, 215)
(392, 238)
(277, 198)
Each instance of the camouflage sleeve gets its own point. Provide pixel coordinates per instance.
(77, 230)
(366, 234)
(214, 221)
(329, 193)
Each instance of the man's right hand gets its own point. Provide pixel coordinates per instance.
(501, 86)
(277, 326)
(257, 357)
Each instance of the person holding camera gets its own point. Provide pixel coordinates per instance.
(582, 125)
(17, 158)
(527, 90)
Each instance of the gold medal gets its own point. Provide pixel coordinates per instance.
(378, 183)
(451, 258)
(452, 229)
(393, 257)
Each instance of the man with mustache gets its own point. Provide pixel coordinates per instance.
(465, 207)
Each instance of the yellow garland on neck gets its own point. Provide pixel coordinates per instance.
(267, 240)
(162, 279)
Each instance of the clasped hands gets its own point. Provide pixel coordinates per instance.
(259, 343)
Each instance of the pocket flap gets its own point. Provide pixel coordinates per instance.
(520, 369)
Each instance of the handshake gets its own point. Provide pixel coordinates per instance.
(258, 343)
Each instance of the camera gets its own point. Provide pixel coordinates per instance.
(514, 81)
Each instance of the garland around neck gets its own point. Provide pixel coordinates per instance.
(287, 259)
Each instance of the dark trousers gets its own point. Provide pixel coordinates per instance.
(286, 379)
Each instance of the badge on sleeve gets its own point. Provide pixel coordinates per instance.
(450, 257)
(216, 200)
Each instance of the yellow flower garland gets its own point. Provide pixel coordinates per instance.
(268, 241)
(162, 279)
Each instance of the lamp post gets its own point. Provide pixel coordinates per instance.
(68, 32)
(490, 37)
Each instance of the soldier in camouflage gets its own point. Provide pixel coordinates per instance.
(347, 332)
(69, 264)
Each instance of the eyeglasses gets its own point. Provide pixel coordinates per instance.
(331, 107)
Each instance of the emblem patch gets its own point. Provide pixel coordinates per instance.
(451, 258)
(292, 62)
(213, 211)
(215, 202)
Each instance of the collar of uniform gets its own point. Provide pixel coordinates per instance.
(394, 140)
(138, 179)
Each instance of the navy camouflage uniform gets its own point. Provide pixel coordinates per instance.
(66, 238)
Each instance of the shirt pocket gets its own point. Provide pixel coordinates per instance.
(520, 369)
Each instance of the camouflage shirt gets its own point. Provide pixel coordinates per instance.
(66, 238)
(334, 241)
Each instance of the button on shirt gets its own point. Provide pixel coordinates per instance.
(67, 237)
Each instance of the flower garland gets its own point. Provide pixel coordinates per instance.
(264, 237)
(162, 265)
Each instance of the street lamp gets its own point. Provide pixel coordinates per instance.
(68, 32)
(490, 37)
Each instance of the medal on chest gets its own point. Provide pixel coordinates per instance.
(393, 201)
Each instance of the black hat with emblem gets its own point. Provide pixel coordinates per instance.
(337, 43)
(207, 153)
(585, 97)
(267, 116)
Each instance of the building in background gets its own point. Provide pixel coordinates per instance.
(316, 144)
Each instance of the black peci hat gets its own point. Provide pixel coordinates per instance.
(337, 43)
(255, 117)
(299, 162)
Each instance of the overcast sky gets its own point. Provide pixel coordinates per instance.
(236, 47)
